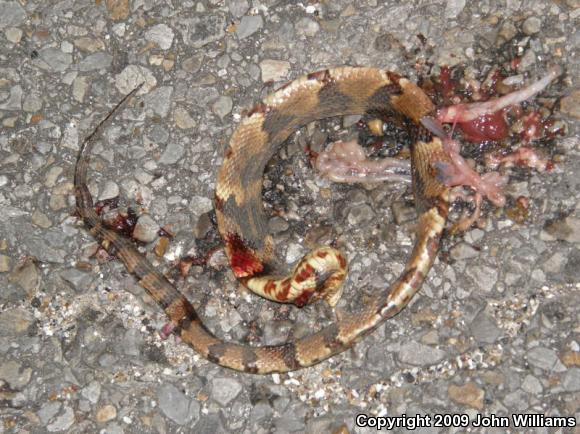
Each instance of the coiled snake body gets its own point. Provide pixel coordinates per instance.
(242, 223)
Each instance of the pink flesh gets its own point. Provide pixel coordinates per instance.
(166, 331)
(468, 112)
(347, 162)
(524, 156)
(460, 173)
(483, 121)
(487, 127)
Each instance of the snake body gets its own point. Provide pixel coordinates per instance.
(242, 223)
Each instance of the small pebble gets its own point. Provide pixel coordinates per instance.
(249, 25)
(274, 70)
(106, 413)
(62, 422)
(182, 119)
(41, 220)
(110, 191)
(222, 106)
(95, 61)
(224, 390)
(11, 14)
(469, 395)
(176, 406)
(238, 7)
(89, 44)
(13, 34)
(307, 27)
(507, 32)
(132, 76)
(532, 25)
(162, 35)
(414, 353)
(205, 28)
(146, 229)
(570, 105)
(4, 263)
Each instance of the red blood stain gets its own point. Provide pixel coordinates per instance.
(523, 202)
(243, 259)
(106, 203)
(123, 224)
(533, 126)
(488, 127)
(446, 83)
(491, 85)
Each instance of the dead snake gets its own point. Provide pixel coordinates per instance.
(242, 223)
